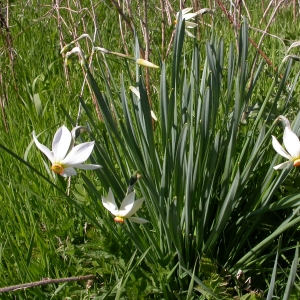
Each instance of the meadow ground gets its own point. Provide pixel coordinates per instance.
(192, 138)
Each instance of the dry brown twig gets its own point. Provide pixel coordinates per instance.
(123, 15)
(163, 27)
(49, 12)
(266, 11)
(166, 11)
(267, 33)
(294, 10)
(121, 30)
(166, 19)
(8, 48)
(145, 32)
(128, 21)
(269, 23)
(170, 43)
(46, 281)
(62, 42)
(169, 11)
(247, 10)
(262, 37)
(250, 40)
(3, 102)
(236, 24)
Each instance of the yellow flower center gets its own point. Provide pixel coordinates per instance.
(57, 168)
(297, 162)
(119, 220)
(175, 22)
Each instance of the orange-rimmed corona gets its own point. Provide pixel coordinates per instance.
(119, 220)
(57, 168)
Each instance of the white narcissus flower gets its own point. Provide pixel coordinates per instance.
(137, 93)
(190, 16)
(128, 207)
(292, 145)
(63, 163)
(187, 16)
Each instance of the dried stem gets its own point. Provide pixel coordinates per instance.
(8, 41)
(247, 11)
(262, 37)
(170, 43)
(249, 39)
(284, 120)
(89, 47)
(262, 5)
(61, 42)
(49, 12)
(122, 14)
(44, 282)
(269, 34)
(128, 4)
(89, 50)
(122, 33)
(128, 22)
(236, 25)
(163, 28)
(147, 49)
(8, 44)
(269, 23)
(169, 11)
(196, 8)
(3, 103)
(266, 11)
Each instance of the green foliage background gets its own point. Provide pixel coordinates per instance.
(207, 220)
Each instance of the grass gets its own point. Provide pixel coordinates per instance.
(214, 202)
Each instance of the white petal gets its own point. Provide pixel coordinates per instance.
(136, 206)
(190, 16)
(153, 115)
(135, 91)
(186, 10)
(79, 154)
(291, 142)
(189, 34)
(69, 172)
(206, 10)
(109, 203)
(43, 148)
(283, 165)
(138, 220)
(190, 25)
(61, 143)
(86, 167)
(127, 204)
(278, 148)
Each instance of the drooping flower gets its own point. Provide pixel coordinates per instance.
(190, 16)
(292, 145)
(128, 207)
(187, 16)
(137, 93)
(63, 163)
